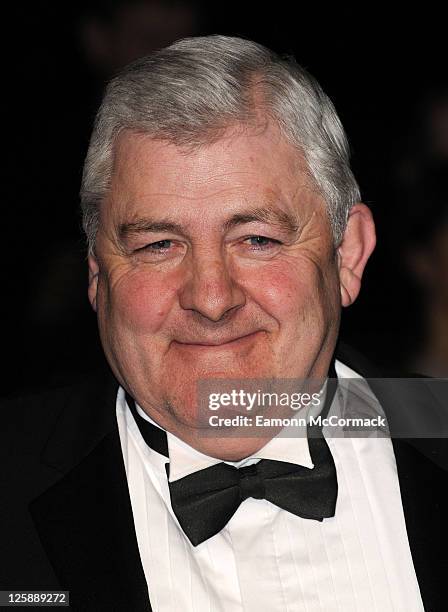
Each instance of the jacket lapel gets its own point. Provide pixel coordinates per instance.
(422, 467)
(424, 494)
(85, 520)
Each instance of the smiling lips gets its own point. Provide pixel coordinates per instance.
(217, 344)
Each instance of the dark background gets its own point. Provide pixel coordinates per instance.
(381, 69)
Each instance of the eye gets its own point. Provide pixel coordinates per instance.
(157, 247)
(262, 243)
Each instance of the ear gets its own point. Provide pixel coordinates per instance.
(94, 271)
(355, 249)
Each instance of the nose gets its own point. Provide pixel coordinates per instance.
(210, 289)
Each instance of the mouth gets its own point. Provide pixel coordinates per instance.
(221, 344)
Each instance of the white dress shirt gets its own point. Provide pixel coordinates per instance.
(267, 559)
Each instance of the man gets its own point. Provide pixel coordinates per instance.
(225, 232)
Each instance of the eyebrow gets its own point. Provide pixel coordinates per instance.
(279, 218)
(147, 225)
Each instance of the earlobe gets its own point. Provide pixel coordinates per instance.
(354, 251)
(93, 280)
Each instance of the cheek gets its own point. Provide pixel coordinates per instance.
(141, 302)
(290, 294)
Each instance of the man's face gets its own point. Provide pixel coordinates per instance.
(217, 263)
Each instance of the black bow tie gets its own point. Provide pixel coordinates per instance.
(205, 501)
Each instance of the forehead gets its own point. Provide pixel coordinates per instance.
(241, 168)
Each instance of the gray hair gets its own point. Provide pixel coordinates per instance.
(189, 92)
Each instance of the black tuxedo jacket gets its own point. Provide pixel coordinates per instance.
(65, 515)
